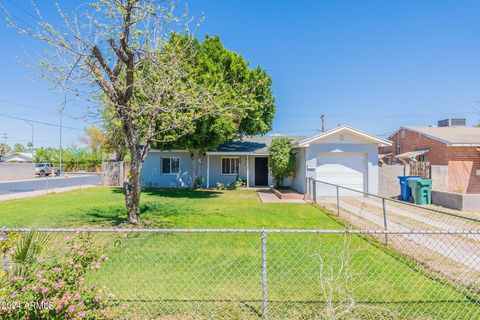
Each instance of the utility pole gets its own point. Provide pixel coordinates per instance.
(4, 137)
(323, 121)
(31, 125)
(61, 111)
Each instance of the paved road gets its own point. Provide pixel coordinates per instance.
(37, 184)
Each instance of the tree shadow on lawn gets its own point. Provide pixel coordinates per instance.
(177, 193)
(151, 214)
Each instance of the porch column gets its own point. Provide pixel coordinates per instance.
(248, 172)
(208, 171)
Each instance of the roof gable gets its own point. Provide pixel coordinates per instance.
(353, 135)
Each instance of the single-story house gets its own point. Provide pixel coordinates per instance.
(454, 151)
(344, 155)
(18, 157)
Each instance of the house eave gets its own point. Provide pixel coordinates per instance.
(234, 153)
(172, 150)
(463, 145)
(382, 142)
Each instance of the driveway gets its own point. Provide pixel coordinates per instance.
(47, 183)
(367, 213)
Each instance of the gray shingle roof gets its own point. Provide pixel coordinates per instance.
(254, 145)
(451, 135)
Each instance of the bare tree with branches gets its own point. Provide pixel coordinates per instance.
(116, 54)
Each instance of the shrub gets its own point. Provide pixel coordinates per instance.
(57, 289)
(220, 186)
(239, 184)
(197, 182)
(281, 159)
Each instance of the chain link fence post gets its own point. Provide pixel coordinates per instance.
(338, 201)
(307, 182)
(385, 220)
(264, 276)
(4, 251)
(46, 184)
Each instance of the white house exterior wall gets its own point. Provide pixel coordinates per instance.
(152, 176)
(370, 149)
(299, 181)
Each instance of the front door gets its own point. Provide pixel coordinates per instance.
(261, 171)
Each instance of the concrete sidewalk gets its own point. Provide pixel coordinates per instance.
(38, 193)
(267, 196)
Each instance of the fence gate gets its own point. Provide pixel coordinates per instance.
(420, 168)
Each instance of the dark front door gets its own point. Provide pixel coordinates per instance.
(261, 171)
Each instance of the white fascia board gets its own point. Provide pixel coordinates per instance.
(463, 145)
(174, 150)
(220, 153)
(381, 141)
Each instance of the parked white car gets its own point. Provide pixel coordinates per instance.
(46, 169)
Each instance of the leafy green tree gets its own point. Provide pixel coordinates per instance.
(47, 155)
(281, 159)
(4, 149)
(19, 148)
(95, 138)
(113, 53)
(216, 66)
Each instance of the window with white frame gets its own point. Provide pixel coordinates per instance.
(230, 165)
(170, 165)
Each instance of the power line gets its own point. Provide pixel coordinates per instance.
(23, 105)
(386, 116)
(411, 116)
(23, 9)
(39, 122)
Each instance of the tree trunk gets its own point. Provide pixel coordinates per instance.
(133, 189)
(197, 166)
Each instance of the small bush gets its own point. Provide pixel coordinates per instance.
(220, 186)
(197, 183)
(239, 184)
(56, 289)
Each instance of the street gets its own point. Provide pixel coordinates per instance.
(38, 184)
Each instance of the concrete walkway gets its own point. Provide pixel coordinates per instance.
(38, 193)
(267, 196)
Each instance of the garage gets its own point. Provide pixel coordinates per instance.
(345, 169)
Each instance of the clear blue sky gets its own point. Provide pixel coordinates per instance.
(376, 65)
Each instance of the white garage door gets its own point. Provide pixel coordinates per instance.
(344, 169)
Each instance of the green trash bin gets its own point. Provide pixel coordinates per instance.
(421, 190)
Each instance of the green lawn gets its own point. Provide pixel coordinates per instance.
(193, 276)
(104, 207)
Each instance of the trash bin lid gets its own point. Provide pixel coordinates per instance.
(408, 177)
(425, 182)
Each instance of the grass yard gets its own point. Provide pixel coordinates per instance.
(194, 276)
(104, 207)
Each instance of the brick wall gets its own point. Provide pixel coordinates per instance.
(412, 141)
(462, 162)
(462, 167)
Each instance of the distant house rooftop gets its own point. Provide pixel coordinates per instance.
(18, 157)
(452, 136)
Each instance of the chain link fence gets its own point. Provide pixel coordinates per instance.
(280, 274)
(370, 212)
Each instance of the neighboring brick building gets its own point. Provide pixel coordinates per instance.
(458, 148)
